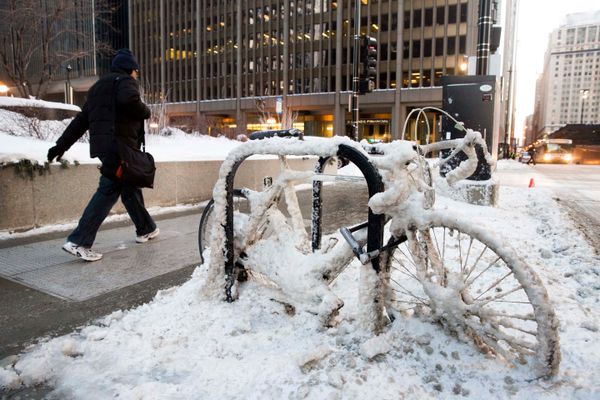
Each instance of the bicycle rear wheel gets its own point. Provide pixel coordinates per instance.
(240, 205)
(462, 277)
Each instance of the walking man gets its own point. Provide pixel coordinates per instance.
(113, 111)
(531, 156)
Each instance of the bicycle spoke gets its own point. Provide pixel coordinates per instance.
(406, 301)
(490, 313)
(397, 308)
(493, 344)
(437, 245)
(409, 293)
(499, 296)
(460, 252)
(496, 283)
(411, 258)
(491, 336)
(510, 325)
(462, 268)
(444, 247)
(482, 272)
(475, 264)
(408, 273)
(511, 340)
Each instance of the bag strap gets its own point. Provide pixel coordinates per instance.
(114, 108)
(114, 100)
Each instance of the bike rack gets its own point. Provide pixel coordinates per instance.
(375, 223)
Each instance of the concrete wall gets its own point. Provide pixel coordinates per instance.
(61, 194)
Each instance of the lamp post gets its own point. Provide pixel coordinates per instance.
(584, 95)
(69, 89)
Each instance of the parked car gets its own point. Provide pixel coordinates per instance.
(524, 157)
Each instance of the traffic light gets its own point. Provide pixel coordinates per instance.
(368, 55)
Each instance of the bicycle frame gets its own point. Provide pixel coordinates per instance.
(284, 147)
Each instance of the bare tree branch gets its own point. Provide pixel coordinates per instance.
(40, 36)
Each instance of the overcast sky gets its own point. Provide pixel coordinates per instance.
(537, 18)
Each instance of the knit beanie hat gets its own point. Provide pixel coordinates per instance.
(125, 61)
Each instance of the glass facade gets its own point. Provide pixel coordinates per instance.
(290, 47)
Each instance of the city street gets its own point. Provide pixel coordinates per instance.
(577, 187)
(60, 302)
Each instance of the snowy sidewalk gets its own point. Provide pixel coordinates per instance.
(45, 267)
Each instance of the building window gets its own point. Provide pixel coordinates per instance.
(416, 18)
(580, 35)
(439, 46)
(451, 45)
(452, 14)
(416, 48)
(428, 16)
(427, 48)
(463, 12)
(440, 15)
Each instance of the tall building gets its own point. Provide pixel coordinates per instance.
(568, 92)
(82, 40)
(101, 28)
(238, 66)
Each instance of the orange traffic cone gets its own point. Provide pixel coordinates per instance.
(531, 183)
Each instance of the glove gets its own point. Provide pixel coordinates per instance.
(55, 152)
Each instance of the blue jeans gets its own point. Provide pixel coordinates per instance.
(100, 205)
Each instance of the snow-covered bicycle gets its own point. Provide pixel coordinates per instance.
(434, 264)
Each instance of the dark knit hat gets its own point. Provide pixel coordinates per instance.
(125, 61)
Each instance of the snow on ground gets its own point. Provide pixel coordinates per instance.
(67, 227)
(17, 143)
(180, 346)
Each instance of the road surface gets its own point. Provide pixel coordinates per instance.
(577, 187)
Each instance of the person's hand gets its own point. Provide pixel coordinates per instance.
(55, 152)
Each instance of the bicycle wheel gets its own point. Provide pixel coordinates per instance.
(240, 205)
(460, 276)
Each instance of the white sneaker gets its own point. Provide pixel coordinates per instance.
(81, 252)
(147, 236)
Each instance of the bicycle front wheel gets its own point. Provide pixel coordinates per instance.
(479, 289)
(240, 205)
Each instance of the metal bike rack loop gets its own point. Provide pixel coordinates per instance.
(375, 221)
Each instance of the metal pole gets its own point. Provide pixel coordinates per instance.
(483, 36)
(355, 77)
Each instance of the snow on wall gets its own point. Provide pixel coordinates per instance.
(18, 141)
(7, 101)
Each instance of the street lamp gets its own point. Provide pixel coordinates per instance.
(584, 94)
(69, 89)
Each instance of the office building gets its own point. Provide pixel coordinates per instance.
(231, 67)
(568, 91)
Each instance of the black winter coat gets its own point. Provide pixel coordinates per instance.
(107, 116)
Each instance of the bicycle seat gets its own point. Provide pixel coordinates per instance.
(277, 133)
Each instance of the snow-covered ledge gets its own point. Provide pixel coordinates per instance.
(60, 194)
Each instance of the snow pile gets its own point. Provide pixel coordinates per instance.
(184, 346)
(16, 124)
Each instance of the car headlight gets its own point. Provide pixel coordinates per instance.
(547, 157)
(568, 157)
